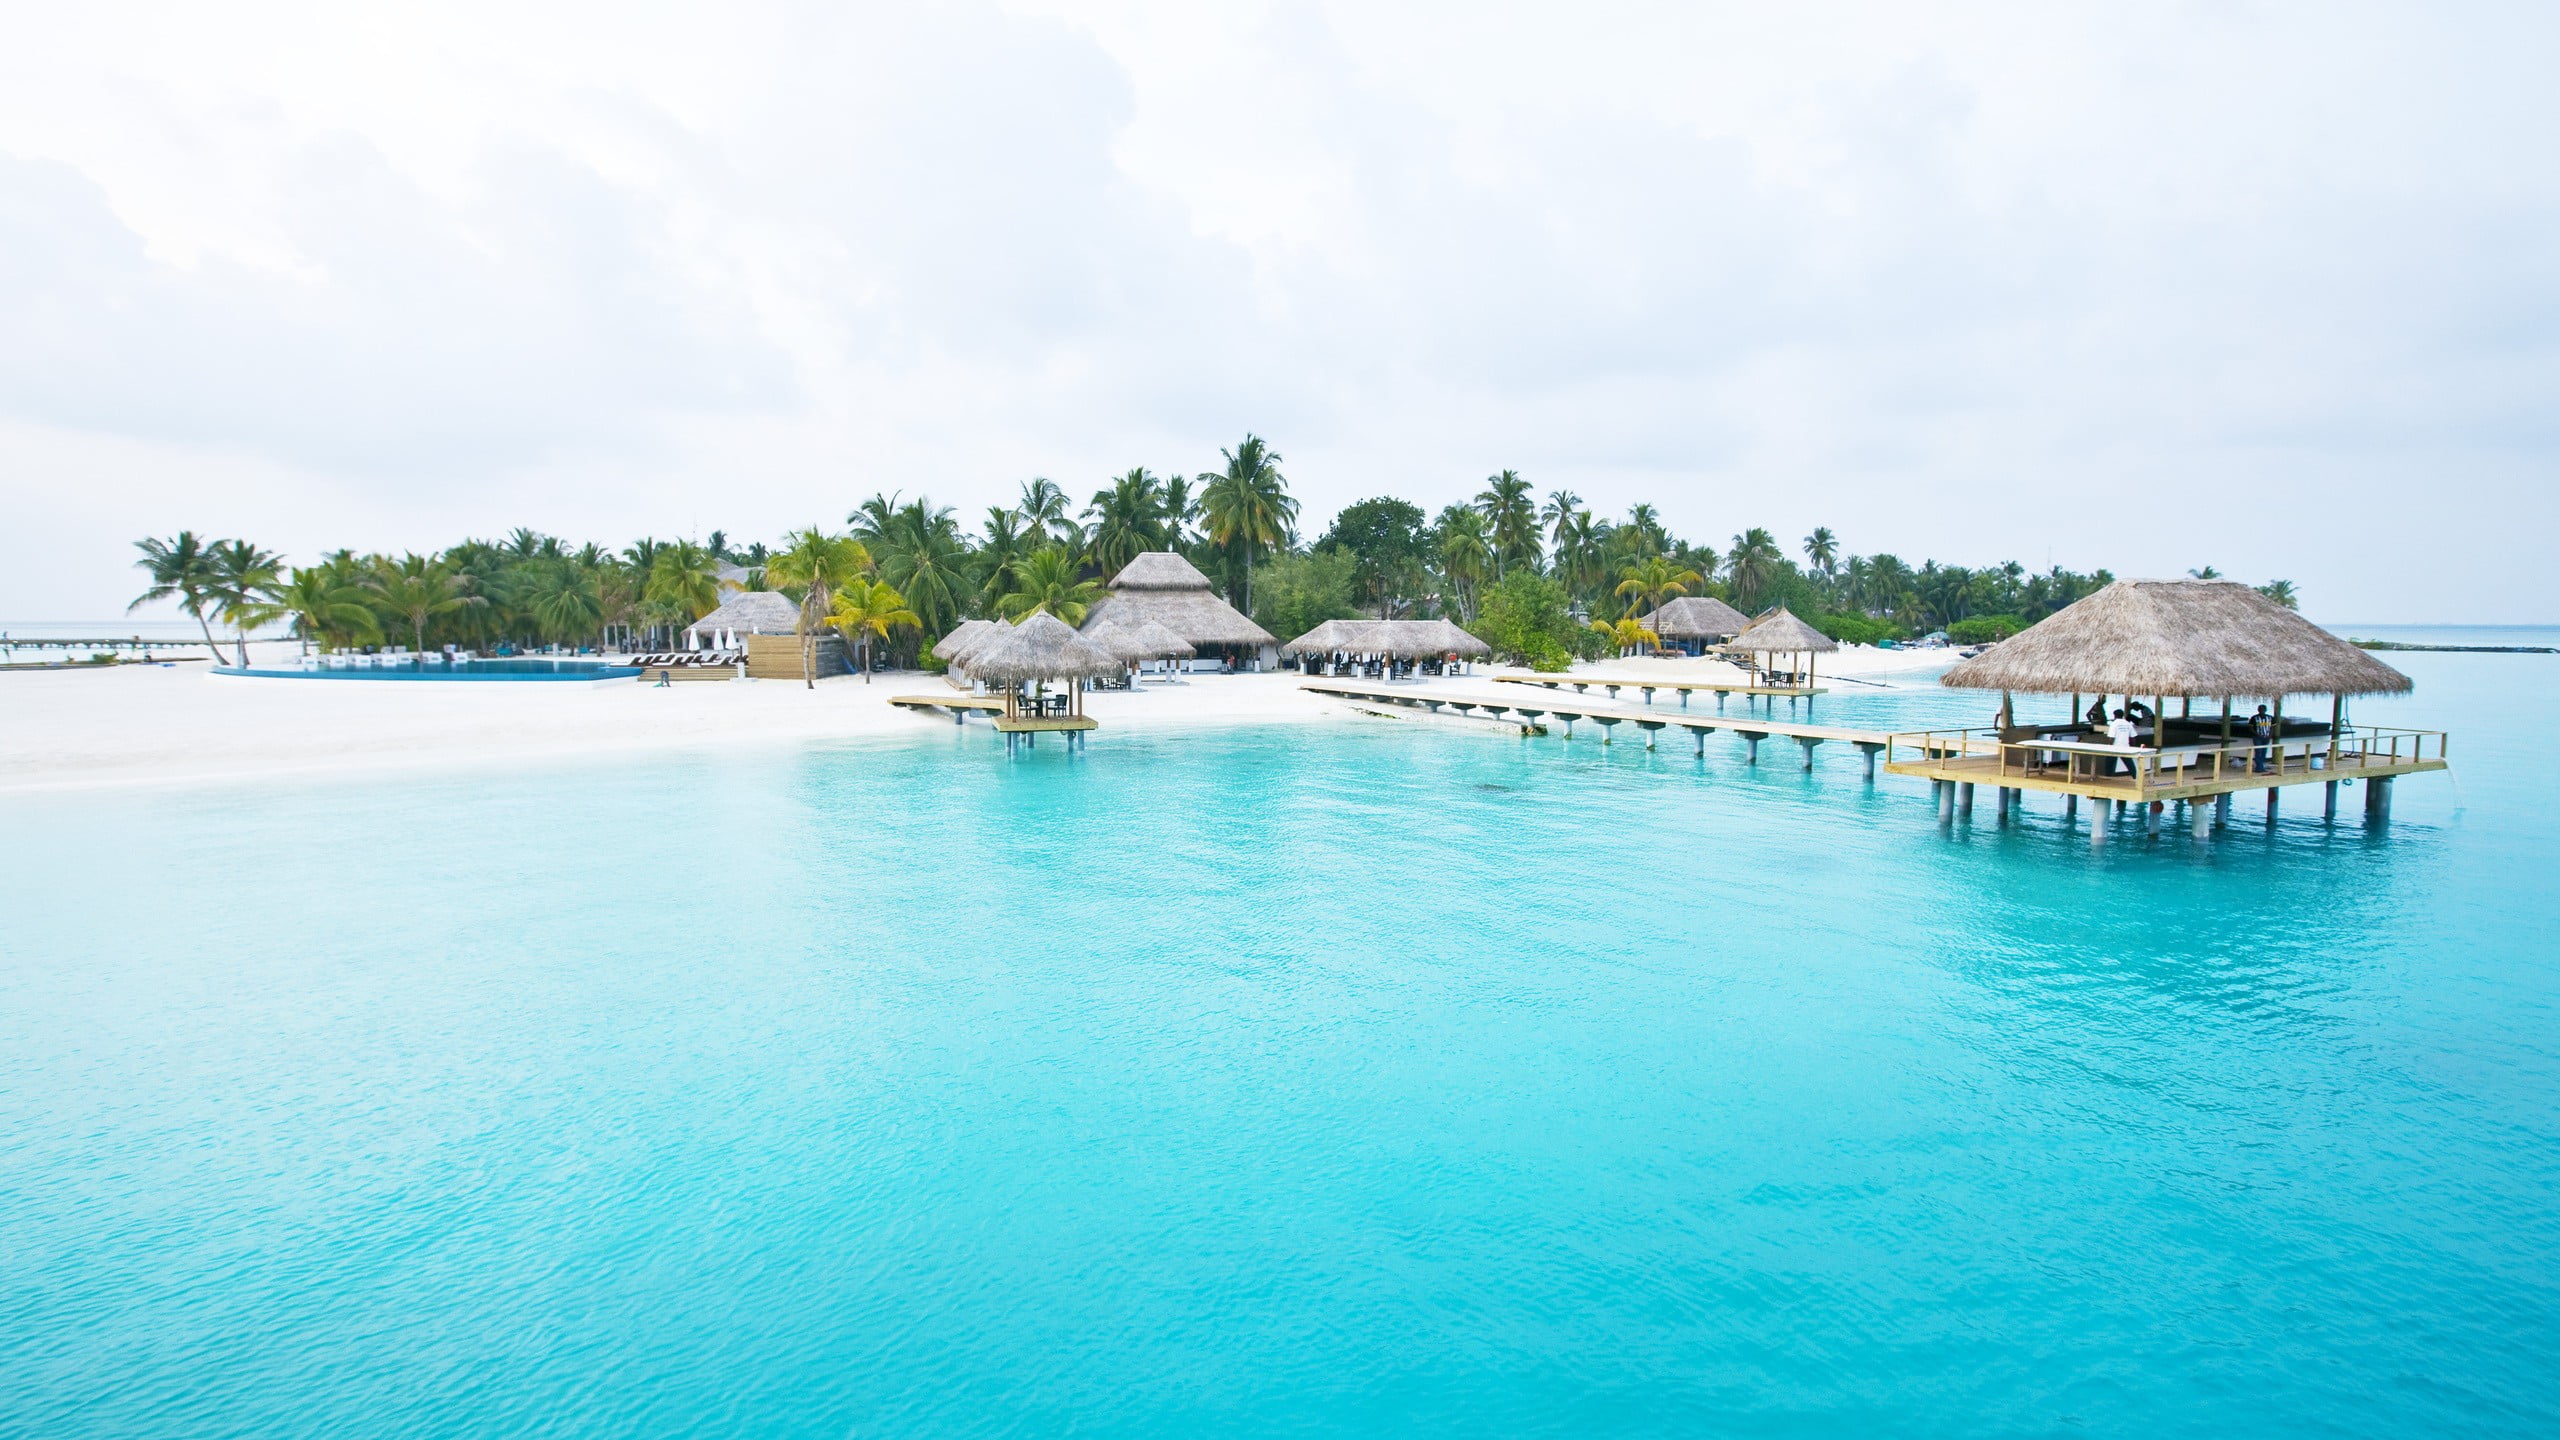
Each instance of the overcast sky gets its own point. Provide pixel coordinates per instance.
(2274, 288)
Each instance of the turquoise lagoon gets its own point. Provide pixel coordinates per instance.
(1281, 1081)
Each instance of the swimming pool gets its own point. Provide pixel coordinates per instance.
(1367, 1079)
(381, 667)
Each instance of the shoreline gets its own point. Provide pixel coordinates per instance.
(128, 726)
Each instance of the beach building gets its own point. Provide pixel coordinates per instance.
(2135, 649)
(1695, 624)
(1778, 648)
(764, 626)
(1372, 646)
(953, 649)
(1024, 659)
(1169, 590)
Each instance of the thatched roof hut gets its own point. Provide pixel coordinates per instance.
(1122, 642)
(1780, 631)
(1162, 642)
(1404, 639)
(1167, 589)
(2177, 637)
(751, 612)
(1041, 647)
(1696, 617)
(952, 649)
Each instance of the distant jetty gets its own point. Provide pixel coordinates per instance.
(2459, 649)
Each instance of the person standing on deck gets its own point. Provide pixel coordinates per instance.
(2262, 732)
(2120, 735)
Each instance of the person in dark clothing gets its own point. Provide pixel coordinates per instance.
(2262, 734)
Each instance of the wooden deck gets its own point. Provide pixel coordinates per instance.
(1683, 688)
(1532, 709)
(1043, 724)
(2181, 773)
(959, 707)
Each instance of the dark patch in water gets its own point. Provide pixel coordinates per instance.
(1482, 786)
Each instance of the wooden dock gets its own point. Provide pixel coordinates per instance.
(1683, 688)
(1533, 709)
(958, 706)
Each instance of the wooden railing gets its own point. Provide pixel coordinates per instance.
(2139, 770)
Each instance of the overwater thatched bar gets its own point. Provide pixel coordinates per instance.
(1388, 640)
(2146, 643)
(1039, 649)
(1779, 632)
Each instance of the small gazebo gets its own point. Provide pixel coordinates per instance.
(1694, 623)
(1035, 651)
(2145, 643)
(1780, 632)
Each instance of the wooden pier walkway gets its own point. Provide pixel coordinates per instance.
(1683, 688)
(958, 706)
(1533, 709)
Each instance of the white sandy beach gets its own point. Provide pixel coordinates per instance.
(137, 724)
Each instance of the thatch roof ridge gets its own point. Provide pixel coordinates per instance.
(1160, 641)
(2177, 637)
(1159, 570)
(1198, 616)
(1402, 638)
(752, 612)
(1122, 641)
(1781, 630)
(1040, 647)
(1696, 617)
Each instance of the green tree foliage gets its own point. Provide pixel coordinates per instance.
(1248, 508)
(1297, 593)
(1127, 521)
(182, 569)
(1051, 581)
(1525, 619)
(1511, 522)
(1983, 629)
(1384, 538)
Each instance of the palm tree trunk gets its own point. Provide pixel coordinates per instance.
(209, 642)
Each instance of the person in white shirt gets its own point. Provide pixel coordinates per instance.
(2120, 735)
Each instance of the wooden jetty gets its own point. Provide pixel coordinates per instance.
(1533, 710)
(959, 707)
(1582, 685)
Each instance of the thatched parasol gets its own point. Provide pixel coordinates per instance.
(952, 648)
(1040, 647)
(1162, 643)
(2177, 637)
(1696, 617)
(1123, 642)
(1780, 632)
(1163, 587)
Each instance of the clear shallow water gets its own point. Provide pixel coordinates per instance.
(1373, 1081)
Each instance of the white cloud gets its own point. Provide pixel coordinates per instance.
(2140, 288)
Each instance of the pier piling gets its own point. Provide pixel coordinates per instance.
(1964, 798)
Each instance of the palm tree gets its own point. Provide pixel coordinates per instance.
(1644, 531)
(1248, 506)
(1044, 506)
(921, 553)
(1557, 515)
(684, 580)
(565, 601)
(864, 609)
(1181, 512)
(182, 570)
(1651, 581)
(2281, 592)
(245, 581)
(1511, 519)
(1752, 564)
(325, 607)
(1128, 521)
(1050, 581)
(417, 588)
(1579, 554)
(1822, 551)
(817, 564)
(1626, 633)
(1465, 556)
(999, 556)
(2207, 573)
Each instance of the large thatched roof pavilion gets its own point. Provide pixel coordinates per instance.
(1694, 622)
(1039, 649)
(1167, 589)
(2146, 643)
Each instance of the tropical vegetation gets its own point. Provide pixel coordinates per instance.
(1543, 580)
